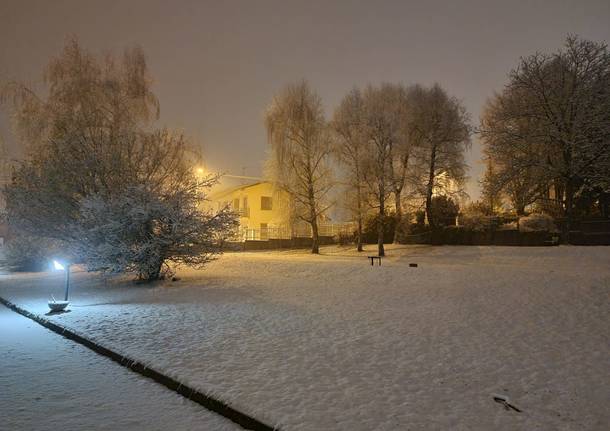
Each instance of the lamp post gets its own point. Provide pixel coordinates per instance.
(61, 305)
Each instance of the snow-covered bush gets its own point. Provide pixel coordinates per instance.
(474, 221)
(143, 231)
(509, 226)
(537, 223)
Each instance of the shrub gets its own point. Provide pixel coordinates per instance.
(444, 211)
(478, 207)
(537, 223)
(369, 233)
(550, 207)
(344, 238)
(476, 222)
(509, 226)
(417, 229)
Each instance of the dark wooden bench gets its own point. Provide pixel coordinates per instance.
(373, 259)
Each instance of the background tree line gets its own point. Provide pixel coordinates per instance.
(392, 143)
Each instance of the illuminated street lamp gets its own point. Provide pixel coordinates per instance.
(61, 305)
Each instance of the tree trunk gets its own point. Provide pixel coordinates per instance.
(150, 270)
(380, 221)
(152, 274)
(398, 228)
(430, 188)
(315, 240)
(359, 234)
(567, 226)
(520, 209)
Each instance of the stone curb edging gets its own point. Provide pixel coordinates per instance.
(210, 403)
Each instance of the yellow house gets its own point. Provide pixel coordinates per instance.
(264, 211)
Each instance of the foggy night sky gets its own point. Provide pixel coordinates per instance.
(216, 65)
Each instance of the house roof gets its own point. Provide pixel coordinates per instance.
(227, 191)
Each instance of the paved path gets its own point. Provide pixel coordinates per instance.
(50, 383)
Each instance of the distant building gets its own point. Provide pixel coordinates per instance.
(264, 211)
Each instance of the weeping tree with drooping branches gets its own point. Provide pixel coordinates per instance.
(98, 178)
(300, 145)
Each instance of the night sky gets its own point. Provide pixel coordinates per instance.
(217, 65)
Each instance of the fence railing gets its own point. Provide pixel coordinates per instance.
(298, 231)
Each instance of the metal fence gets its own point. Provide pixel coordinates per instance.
(297, 231)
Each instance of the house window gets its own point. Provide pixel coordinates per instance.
(266, 203)
(236, 204)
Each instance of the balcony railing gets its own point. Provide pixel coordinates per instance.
(244, 212)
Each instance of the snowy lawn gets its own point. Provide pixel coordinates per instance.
(50, 383)
(329, 342)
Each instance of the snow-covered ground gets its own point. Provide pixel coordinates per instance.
(50, 383)
(330, 342)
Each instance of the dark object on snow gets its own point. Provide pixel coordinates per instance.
(503, 399)
(413, 265)
(373, 259)
(55, 313)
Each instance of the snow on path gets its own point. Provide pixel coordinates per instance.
(50, 383)
(329, 342)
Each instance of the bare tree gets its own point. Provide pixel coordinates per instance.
(382, 128)
(490, 194)
(564, 100)
(501, 150)
(89, 140)
(441, 133)
(87, 98)
(300, 148)
(350, 149)
(400, 157)
(85, 136)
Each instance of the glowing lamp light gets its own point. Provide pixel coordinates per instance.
(58, 266)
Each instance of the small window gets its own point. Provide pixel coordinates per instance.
(236, 204)
(266, 203)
